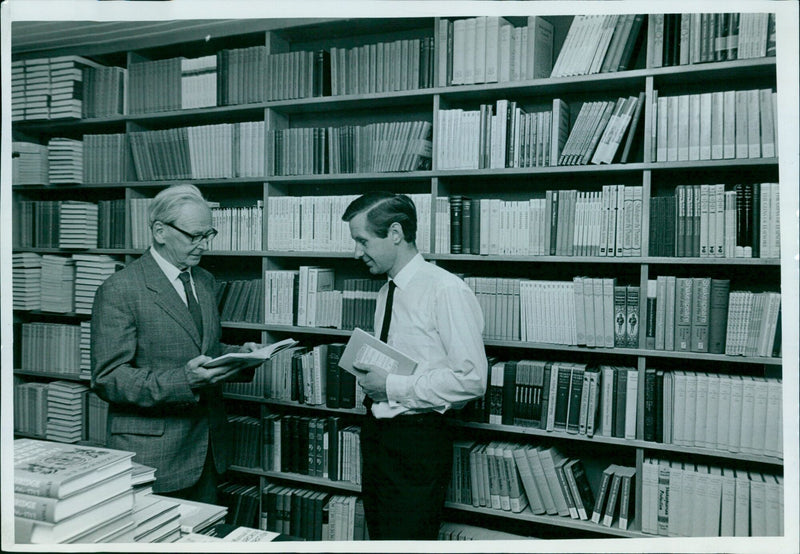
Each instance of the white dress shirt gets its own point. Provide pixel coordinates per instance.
(436, 320)
(173, 275)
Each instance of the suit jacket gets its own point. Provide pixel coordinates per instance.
(142, 337)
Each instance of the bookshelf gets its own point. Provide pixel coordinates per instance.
(511, 184)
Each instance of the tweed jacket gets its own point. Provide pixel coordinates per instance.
(142, 337)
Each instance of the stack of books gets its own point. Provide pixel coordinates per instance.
(66, 411)
(29, 163)
(58, 280)
(36, 91)
(70, 493)
(195, 517)
(18, 97)
(155, 519)
(67, 87)
(65, 158)
(90, 272)
(26, 274)
(78, 224)
(86, 350)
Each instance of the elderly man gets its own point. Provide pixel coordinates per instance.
(154, 325)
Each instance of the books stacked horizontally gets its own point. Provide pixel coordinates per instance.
(67, 404)
(312, 515)
(65, 159)
(29, 163)
(58, 281)
(224, 532)
(64, 493)
(77, 224)
(563, 223)
(238, 228)
(702, 500)
(137, 209)
(382, 67)
(18, 90)
(51, 348)
(599, 44)
(729, 124)
(86, 349)
(36, 91)
(90, 272)
(195, 517)
(67, 87)
(156, 519)
(30, 407)
(680, 39)
(107, 159)
(26, 276)
(490, 49)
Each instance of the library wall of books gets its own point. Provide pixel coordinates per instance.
(607, 185)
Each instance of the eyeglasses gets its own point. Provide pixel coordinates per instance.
(197, 238)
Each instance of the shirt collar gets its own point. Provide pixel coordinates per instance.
(169, 270)
(404, 276)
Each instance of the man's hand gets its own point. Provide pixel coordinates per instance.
(252, 347)
(201, 376)
(372, 380)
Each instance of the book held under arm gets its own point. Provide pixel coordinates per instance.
(257, 356)
(363, 348)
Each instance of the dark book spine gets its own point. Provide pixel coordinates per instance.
(650, 338)
(456, 203)
(747, 215)
(620, 394)
(509, 392)
(649, 404)
(755, 219)
(475, 226)
(562, 398)
(659, 407)
(332, 382)
(466, 226)
(575, 392)
(718, 315)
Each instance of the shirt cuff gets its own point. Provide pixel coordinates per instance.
(398, 387)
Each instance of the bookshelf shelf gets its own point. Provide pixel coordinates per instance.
(298, 478)
(48, 375)
(655, 179)
(526, 515)
(290, 404)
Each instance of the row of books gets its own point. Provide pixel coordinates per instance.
(511, 477)
(405, 64)
(730, 124)
(563, 223)
(312, 515)
(50, 348)
(701, 314)
(323, 447)
(237, 228)
(685, 499)
(450, 531)
(107, 158)
(29, 164)
(490, 49)
(681, 39)
(139, 217)
(708, 221)
(199, 152)
(65, 87)
(736, 413)
(69, 224)
(64, 420)
(314, 223)
(375, 147)
(241, 300)
(198, 82)
(599, 44)
(575, 398)
(583, 312)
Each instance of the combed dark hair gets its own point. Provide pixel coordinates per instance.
(385, 208)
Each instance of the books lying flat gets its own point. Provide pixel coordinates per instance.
(363, 348)
(260, 355)
(56, 470)
(195, 516)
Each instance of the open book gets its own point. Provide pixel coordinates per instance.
(257, 356)
(364, 348)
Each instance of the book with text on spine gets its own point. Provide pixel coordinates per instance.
(364, 348)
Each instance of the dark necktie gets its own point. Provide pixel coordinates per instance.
(191, 301)
(387, 321)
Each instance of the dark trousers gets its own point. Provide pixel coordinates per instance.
(205, 490)
(406, 468)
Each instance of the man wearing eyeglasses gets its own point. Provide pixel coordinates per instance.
(154, 324)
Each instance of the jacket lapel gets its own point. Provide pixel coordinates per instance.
(165, 296)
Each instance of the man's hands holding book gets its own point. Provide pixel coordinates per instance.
(372, 379)
(200, 374)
